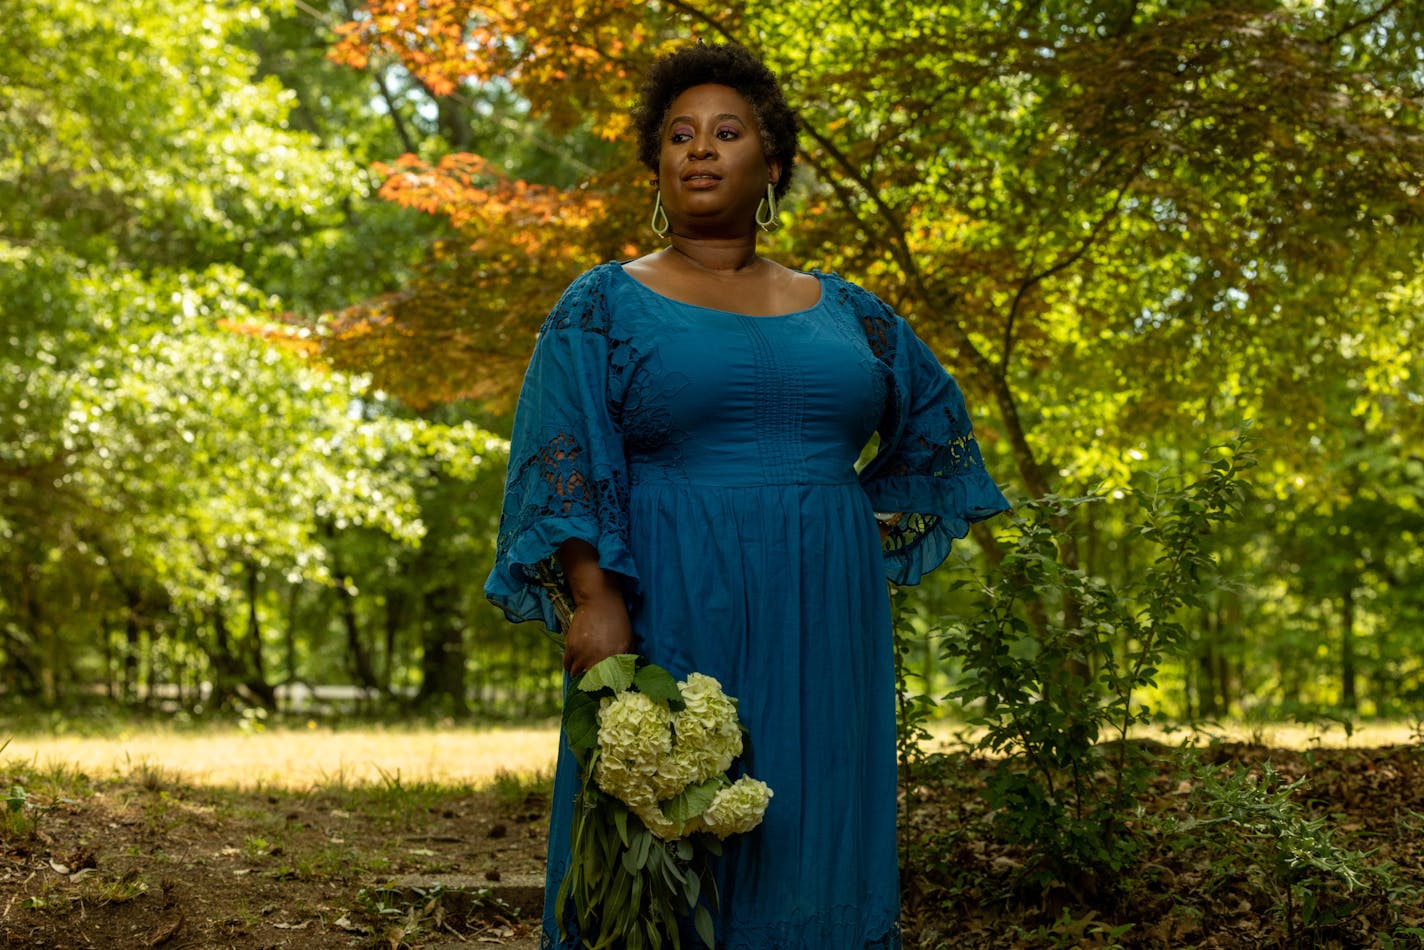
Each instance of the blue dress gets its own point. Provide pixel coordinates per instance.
(710, 458)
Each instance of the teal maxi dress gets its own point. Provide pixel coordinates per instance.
(710, 457)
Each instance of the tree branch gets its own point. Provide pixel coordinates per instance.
(401, 132)
(1366, 20)
(1032, 280)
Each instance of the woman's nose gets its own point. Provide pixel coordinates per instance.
(701, 146)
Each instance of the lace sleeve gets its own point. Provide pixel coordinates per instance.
(929, 469)
(567, 473)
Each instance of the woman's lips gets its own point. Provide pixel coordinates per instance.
(701, 180)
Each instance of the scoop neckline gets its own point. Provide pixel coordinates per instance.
(820, 283)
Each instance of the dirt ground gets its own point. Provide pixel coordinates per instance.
(145, 859)
(148, 865)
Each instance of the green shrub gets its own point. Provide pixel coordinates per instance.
(1054, 661)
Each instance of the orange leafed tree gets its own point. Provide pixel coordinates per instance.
(464, 327)
(1060, 203)
(593, 50)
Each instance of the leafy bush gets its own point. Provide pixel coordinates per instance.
(1252, 825)
(1055, 660)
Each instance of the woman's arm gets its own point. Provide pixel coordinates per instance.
(600, 626)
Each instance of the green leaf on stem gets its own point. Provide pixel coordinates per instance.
(581, 721)
(692, 801)
(615, 673)
(693, 890)
(636, 857)
(620, 821)
(658, 684)
(702, 920)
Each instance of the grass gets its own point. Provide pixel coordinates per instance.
(950, 734)
(403, 758)
(399, 759)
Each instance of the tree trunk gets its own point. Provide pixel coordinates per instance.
(132, 645)
(1211, 667)
(1348, 673)
(394, 620)
(1206, 683)
(256, 680)
(150, 666)
(110, 674)
(442, 662)
(227, 669)
(453, 115)
(293, 595)
(358, 657)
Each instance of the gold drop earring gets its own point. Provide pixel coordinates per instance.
(766, 218)
(660, 223)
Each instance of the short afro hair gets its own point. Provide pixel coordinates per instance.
(724, 65)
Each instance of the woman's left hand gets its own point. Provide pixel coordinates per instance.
(599, 629)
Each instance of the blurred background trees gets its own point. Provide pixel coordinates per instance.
(270, 277)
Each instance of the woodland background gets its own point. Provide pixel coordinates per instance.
(270, 273)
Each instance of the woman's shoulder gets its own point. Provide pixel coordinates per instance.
(864, 304)
(591, 282)
(583, 305)
(609, 283)
(884, 328)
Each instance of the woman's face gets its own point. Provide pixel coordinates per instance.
(712, 170)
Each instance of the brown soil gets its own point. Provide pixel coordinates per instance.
(143, 862)
(148, 865)
(1340, 865)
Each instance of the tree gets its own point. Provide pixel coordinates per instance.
(167, 480)
(1139, 186)
(1129, 227)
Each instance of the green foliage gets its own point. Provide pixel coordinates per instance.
(661, 880)
(612, 675)
(1075, 931)
(511, 788)
(20, 817)
(138, 131)
(1053, 659)
(1253, 825)
(178, 502)
(915, 707)
(1122, 224)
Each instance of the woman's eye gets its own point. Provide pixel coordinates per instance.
(680, 135)
(727, 134)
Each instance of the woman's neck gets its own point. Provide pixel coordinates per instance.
(717, 256)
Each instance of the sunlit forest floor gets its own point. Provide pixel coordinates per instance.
(429, 837)
(301, 756)
(305, 754)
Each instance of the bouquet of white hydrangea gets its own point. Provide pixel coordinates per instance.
(655, 801)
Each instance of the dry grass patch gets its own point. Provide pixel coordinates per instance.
(299, 758)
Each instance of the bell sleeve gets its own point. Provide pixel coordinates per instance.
(567, 472)
(928, 469)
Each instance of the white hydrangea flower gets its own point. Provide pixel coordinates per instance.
(709, 736)
(649, 755)
(628, 786)
(677, 771)
(738, 808)
(634, 737)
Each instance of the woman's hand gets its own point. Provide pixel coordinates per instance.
(886, 523)
(600, 627)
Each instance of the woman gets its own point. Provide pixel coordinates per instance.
(685, 446)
